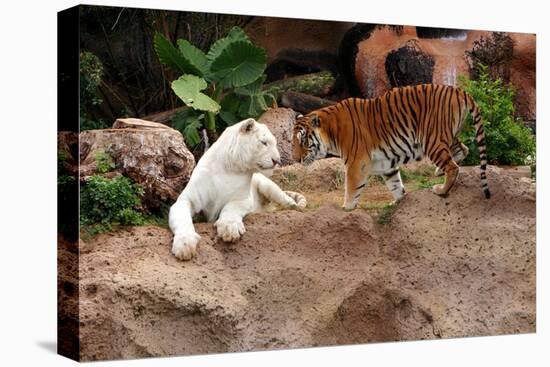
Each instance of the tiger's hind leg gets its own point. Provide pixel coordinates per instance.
(394, 183)
(444, 161)
(460, 152)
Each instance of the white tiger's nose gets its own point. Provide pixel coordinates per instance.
(276, 162)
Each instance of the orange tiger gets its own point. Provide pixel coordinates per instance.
(375, 136)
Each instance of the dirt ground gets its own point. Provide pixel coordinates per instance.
(434, 268)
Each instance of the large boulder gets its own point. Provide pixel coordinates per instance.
(153, 155)
(281, 122)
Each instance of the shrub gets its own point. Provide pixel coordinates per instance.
(495, 52)
(220, 87)
(104, 162)
(91, 72)
(105, 201)
(508, 141)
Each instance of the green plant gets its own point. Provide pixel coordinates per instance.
(105, 201)
(220, 87)
(508, 141)
(104, 162)
(91, 72)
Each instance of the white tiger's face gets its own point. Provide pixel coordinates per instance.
(254, 146)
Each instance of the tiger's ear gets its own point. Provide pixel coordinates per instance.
(247, 126)
(315, 120)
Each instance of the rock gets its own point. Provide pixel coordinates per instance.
(349, 48)
(523, 75)
(313, 44)
(281, 122)
(441, 33)
(441, 268)
(409, 65)
(151, 154)
(448, 53)
(304, 103)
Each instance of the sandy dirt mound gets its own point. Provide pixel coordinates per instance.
(440, 268)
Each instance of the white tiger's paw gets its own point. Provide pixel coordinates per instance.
(229, 230)
(184, 247)
(298, 200)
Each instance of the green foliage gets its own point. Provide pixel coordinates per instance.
(188, 87)
(91, 72)
(221, 87)
(254, 99)
(104, 162)
(105, 201)
(189, 123)
(239, 64)
(508, 141)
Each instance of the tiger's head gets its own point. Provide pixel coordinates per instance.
(309, 139)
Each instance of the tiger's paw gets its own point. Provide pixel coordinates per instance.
(439, 190)
(348, 207)
(299, 200)
(184, 247)
(229, 230)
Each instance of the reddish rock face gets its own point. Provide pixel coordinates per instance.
(450, 62)
(278, 34)
(523, 74)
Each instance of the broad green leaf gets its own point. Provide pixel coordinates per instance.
(235, 34)
(239, 64)
(195, 57)
(254, 88)
(188, 88)
(168, 54)
(188, 122)
(190, 62)
(254, 100)
(229, 117)
(230, 102)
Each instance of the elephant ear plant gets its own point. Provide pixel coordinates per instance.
(220, 87)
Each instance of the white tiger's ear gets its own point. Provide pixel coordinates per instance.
(247, 126)
(315, 120)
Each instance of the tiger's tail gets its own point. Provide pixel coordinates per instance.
(480, 139)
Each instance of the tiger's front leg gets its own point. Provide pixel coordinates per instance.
(230, 226)
(269, 190)
(395, 184)
(356, 179)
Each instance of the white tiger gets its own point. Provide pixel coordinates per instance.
(228, 183)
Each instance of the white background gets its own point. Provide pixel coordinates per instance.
(28, 165)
